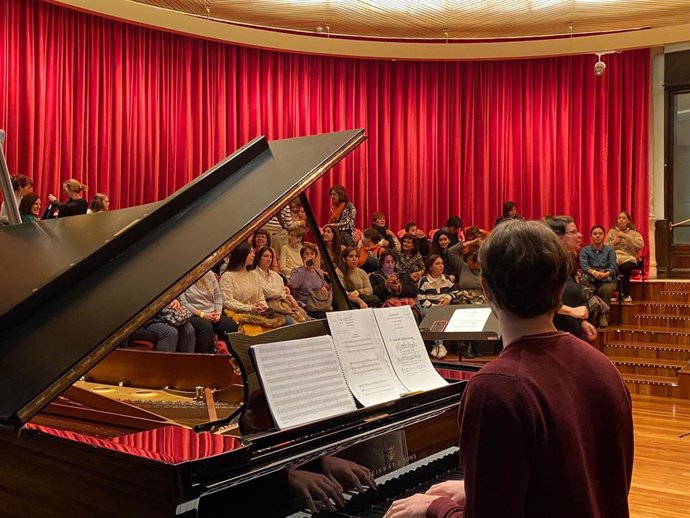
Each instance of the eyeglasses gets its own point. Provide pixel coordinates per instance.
(573, 232)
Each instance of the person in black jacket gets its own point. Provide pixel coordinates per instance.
(389, 281)
(76, 204)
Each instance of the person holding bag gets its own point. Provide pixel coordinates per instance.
(277, 295)
(309, 284)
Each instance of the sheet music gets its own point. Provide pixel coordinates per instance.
(363, 358)
(468, 319)
(302, 380)
(406, 349)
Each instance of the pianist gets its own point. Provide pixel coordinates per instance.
(545, 429)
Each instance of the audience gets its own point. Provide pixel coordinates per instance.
(627, 242)
(297, 213)
(391, 285)
(280, 225)
(309, 278)
(174, 331)
(453, 224)
(410, 260)
(420, 236)
(76, 204)
(598, 263)
(21, 185)
(343, 214)
(290, 253)
(368, 250)
(509, 213)
(276, 294)
(99, 203)
(388, 238)
(331, 238)
(262, 238)
(355, 280)
(30, 208)
(572, 315)
(239, 285)
(205, 302)
(436, 289)
(441, 245)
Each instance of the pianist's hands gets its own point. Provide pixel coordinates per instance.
(415, 506)
(316, 486)
(347, 473)
(453, 489)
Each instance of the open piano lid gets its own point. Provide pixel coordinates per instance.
(107, 274)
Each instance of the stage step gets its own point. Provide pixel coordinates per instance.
(648, 366)
(661, 320)
(638, 334)
(663, 386)
(647, 350)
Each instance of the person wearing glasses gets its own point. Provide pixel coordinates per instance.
(573, 313)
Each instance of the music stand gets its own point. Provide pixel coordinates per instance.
(435, 322)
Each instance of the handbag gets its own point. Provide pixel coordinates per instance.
(319, 300)
(173, 317)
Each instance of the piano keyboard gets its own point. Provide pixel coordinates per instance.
(416, 477)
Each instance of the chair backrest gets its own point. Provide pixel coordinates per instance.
(432, 232)
(401, 233)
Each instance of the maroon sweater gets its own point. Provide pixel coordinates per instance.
(545, 430)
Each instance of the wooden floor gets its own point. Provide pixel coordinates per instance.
(661, 473)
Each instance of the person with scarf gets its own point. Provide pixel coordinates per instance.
(343, 214)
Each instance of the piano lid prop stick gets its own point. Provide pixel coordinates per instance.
(210, 405)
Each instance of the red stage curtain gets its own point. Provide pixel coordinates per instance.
(136, 113)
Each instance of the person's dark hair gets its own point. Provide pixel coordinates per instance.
(97, 204)
(376, 215)
(558, 223)
(413, 238)
(237, 258)
(630, 223)
(340, 191)
(596, 227)
(27, 202)
(261, 232)
(435, 246)
(454, 221)
(507, 207)
(410, 225)
(473, 232)
(20, 181)
(259, 253)
(334, 246)
(525, 267)
(372, 235)
(429, 261)
(386, 254)
(342, 264)
(473, 255)
(309, 246)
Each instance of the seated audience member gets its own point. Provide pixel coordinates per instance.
(545, 416)
(627, 242)
(308, 278)
(76, 204)
(21, 185)
(369, 250)
(453, 224)
(572, 315)
(509, 213)
(297, 213)
(436, 289)
(598, 263)
(100, 203)
(171, 325)
(205, 302)
(420, 236)
(277, 295)
(410, 260)
(331, 238)
(469, 280)
(30, 208)
(262, 238)
(474, 237)
(290, 253)
(355, 280)
(391, 285)
(279, 226)
(440, 246)
(239, 285)
(343, 214)
(388, 238)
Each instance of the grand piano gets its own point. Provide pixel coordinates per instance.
(79, 438)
